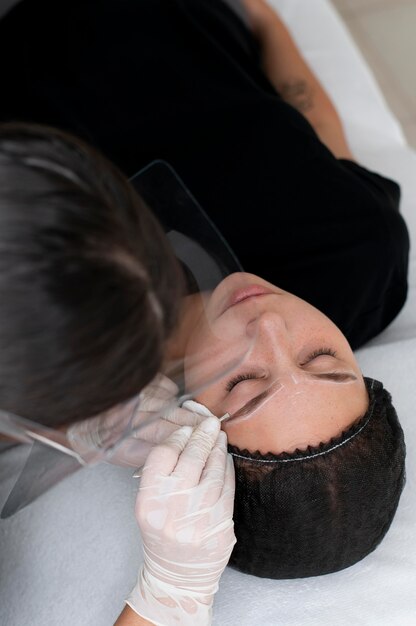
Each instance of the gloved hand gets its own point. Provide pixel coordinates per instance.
(157, 415)
(184, 509)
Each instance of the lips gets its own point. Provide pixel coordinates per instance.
(244, 293)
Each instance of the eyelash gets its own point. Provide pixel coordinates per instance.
(252, 376)
(320, 352)
(238, 379)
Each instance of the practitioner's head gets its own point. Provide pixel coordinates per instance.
(319, 458)
(89, 286)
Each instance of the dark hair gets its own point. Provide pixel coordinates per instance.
(322, 509)
(89, 286)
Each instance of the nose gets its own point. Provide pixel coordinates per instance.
(269, 330)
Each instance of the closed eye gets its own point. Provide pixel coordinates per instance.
(233, 382)
(319, 352)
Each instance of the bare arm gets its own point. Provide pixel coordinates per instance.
(130, 618)
(293, 79)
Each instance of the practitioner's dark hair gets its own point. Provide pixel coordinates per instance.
(89, 286)
(320, 510)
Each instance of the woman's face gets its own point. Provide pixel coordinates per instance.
(296, 381)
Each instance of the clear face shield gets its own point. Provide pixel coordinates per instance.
(123, 431)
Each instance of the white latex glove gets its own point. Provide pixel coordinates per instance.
(157, 411)
(184, 509)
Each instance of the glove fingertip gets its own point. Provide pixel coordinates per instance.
(222, 438)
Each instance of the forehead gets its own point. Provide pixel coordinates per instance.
(305, 414)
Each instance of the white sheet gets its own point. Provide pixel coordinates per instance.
(73, 556)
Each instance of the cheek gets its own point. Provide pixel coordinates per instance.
(210, 358)
(201, 370)
(197, 340)
(203, 351)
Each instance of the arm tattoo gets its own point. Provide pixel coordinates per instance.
(299, 94)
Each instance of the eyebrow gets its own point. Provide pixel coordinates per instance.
(339, 377)
(252, 404)
(248, 407)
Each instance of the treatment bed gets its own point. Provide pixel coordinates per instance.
(72, 557)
